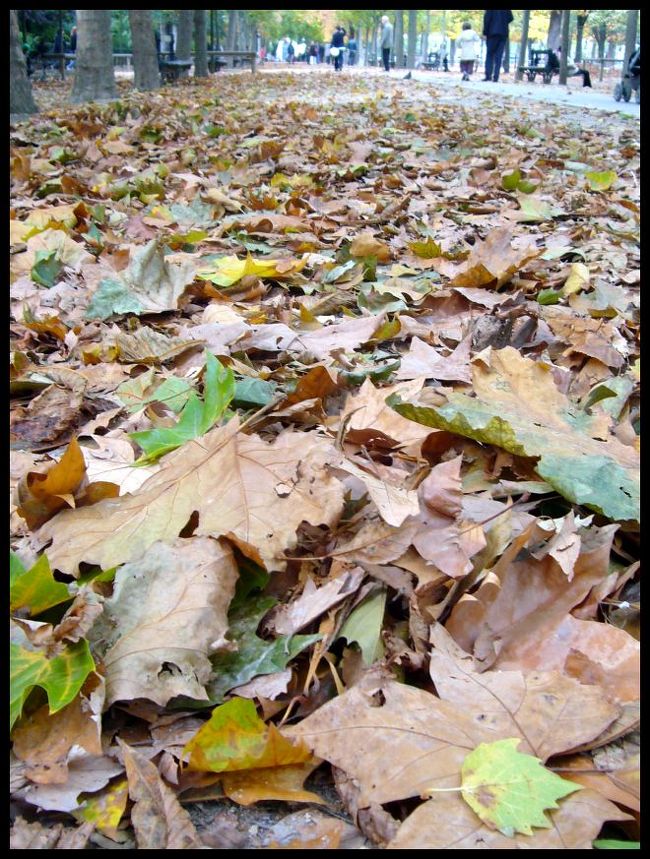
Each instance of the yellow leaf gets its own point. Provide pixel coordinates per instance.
(577, 280)
(105, 809)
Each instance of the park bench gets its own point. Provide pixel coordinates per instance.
(220, 58)
(537, 67)
(171, 69)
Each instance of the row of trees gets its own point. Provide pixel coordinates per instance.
(94, 78)
(239, 29)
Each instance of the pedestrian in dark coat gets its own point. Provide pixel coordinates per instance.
(495, 31)
(338, 43)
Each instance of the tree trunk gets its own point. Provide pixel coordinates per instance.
(581, 20)
(399, 39)
(145, 56)
(630, 35)
(506, 57)
(375, 33)
(425, 38)
(412, 38)
(200, 44)
(232, 30)
(94, 79)
(566, 24)
(21, 100)
(611, 49)
(184, 39)
(554, 27)
(600, 35)
(524, 42)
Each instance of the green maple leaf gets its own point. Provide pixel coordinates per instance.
(255, 656)
(61, 676)
(508, 790)
(197, 417)
(35, 589)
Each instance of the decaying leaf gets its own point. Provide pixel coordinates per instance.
(168, 613)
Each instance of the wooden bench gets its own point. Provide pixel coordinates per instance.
(171, 70)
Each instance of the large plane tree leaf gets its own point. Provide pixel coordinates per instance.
(509, 790)
(241, 487)
(518, 407)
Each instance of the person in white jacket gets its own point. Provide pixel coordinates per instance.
(468, 43)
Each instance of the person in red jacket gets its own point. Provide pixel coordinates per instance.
(495, 30)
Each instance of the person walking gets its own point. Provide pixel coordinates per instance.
(73, 47)
(352, 51)
(495, 30)
(336, 48)
(444, 56)
(468, 42)
(386, 41)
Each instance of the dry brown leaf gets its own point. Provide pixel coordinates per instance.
(371, 421)
(552, 713)
(314, 601)
(423, 361)
(254, 492)
(159, 821)
(494, 261)
(527, 598)
(41, 494)
(44, 742)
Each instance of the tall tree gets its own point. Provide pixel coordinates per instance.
(554, 27)
(94, 78)
(184, 40)
(398, 37)
(21, 100)
(630, 35)
(581, 20)
(200, 44)
(565, 30)
(412, 38)
(425, 37)
(523, 54)
(231, 34)
(145, 55)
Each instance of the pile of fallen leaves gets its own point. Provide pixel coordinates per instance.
(324, 468)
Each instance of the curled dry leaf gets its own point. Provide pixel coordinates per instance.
(159, 820)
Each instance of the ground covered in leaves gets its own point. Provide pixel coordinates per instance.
(324, 469)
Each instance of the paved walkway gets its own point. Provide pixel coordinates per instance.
(573, 96)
